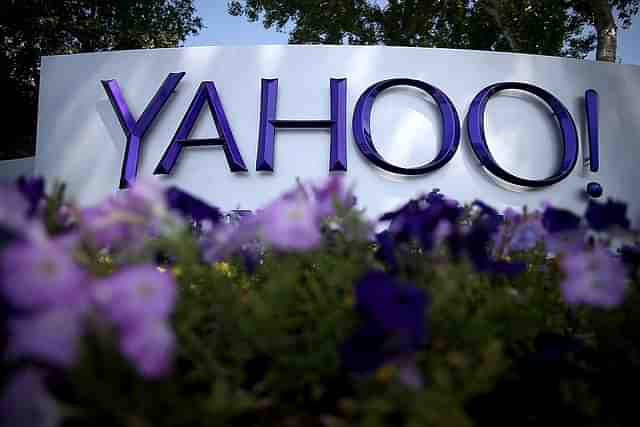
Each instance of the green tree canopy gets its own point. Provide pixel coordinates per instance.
(30, 29)
(547, 27)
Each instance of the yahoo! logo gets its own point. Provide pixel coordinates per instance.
(337, 124)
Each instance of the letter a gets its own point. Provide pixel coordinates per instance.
(206, 92)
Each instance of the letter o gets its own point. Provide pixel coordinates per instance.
(475, 128)
(362, 126)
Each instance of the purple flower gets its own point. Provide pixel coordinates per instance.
(68, 241)
(330, 195)
(385, 251)
(444, 231)
(251, 254)
(135, 293)
(395, 306)
(33, 190)
(238, 215)
(223, 240)
(566, 242)
(431, 219)
(601, 216)
(407, 220)
(36, 274)
(127, 217)
(630, 255)
(7, 236)
(293, 220)
(14, 208)
(519, 232)
(476, 241)
(139, 301)
(50, 336)
(552, 348)
(409, 374)
(290, 223)
(419, 219)
(191, 207)
(593, 277)
(394, 319)
(26, 402)
(476, 244)
(488, 218)
(239, 238)
(527, 235)
(149, 345)
(487, 226)
(559, 220)
(364, 351)
(508, 268)
(434, 195)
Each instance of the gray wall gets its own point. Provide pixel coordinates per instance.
(80, 140)
(12, 169)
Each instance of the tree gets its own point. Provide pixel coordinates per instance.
(30, 29)
(548, 27)
(601, 15)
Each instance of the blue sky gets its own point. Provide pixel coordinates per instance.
(224, 29)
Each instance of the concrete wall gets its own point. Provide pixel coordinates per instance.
(10, 170)
(81, 142)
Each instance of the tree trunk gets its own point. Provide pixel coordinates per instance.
(493, 9)
(607, 31)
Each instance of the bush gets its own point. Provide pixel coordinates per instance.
(153, 308)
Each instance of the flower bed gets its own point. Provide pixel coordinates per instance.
(153, 308)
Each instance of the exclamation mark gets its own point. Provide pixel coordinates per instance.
(594, 189)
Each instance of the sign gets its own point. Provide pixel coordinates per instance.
(237, 126)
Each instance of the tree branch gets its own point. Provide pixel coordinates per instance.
(492, 8)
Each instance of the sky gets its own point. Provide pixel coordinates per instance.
(226, 30)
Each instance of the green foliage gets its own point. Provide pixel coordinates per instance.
(544, 27)
(261, 348)
(30, 29)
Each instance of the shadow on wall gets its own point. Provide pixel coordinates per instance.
(10, 170)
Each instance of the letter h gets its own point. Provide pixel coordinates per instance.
(337, 124)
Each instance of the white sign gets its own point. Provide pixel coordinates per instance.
(82, 141)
